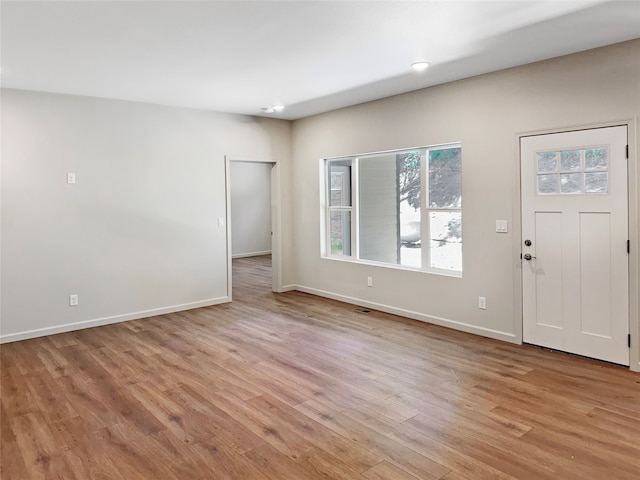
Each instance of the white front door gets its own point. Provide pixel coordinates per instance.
(575, 266)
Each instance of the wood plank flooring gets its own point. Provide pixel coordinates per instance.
(295, 387)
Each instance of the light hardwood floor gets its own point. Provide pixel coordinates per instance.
(295, 387)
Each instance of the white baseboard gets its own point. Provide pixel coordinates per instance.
(68, 327)
(289, 288)
(444, 322)
(250, 254)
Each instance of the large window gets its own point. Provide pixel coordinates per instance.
(401, 208)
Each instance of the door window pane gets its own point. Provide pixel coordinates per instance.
(595, 159)
(547, 162)
(596, 182)
(548, 184)
(570, 160)
(571, 183)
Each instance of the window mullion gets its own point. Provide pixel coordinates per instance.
(355, 213)
(424, 215)
(327, 222)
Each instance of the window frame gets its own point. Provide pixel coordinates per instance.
(354, 209)
(338, 208)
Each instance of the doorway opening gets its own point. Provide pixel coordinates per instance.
(253, 225)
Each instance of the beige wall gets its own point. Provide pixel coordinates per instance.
(138, 233)
(485, 114)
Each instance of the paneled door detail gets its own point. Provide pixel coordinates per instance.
(575, 263)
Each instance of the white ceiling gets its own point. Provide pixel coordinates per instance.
(312, 56)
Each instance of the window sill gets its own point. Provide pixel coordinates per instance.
(432, 271)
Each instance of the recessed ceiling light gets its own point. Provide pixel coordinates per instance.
(420, 66)
(273, 109)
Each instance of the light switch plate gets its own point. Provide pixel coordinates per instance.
(501, 226)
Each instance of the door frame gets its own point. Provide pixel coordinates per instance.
(276, 221)
(633, 185)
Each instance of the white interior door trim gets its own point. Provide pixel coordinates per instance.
(634, 228)
(276, 220)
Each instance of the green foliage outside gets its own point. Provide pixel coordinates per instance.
(444, 182)
(336, 246)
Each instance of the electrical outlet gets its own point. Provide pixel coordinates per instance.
(369, 281)
(221, 221)
(71, 178)
(482, 303)
(73, 300)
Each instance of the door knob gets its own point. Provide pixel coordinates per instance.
(527, 256)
